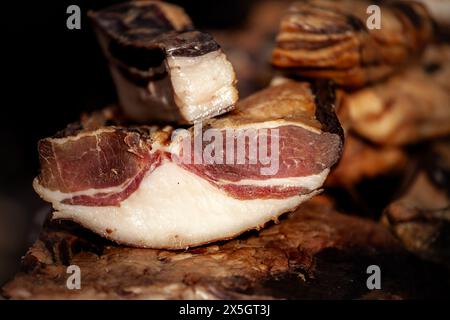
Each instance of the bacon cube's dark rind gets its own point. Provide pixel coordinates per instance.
(141, 23)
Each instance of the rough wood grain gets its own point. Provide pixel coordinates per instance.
(313, 253)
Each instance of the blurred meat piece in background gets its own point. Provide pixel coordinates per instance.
(420, 218)
(330, 39)
(440, 12)
(363, 160)
(408, 108)
(249, 46)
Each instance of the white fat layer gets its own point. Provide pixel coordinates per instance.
(275, 125)
(174, 208)
(192, 91)
(309, 182)
(204, 85)
(55, 195)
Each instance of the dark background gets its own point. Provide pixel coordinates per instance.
(50, 75)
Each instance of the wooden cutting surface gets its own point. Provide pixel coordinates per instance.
(315, 252)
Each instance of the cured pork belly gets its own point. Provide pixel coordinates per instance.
(409, 107)
(164, 70)
(330, 39)
(137, 185)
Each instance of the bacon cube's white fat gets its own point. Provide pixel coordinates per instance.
(194, 88)
(174, 208)
(204, 85)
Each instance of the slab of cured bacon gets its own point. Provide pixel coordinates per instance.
(135, 185)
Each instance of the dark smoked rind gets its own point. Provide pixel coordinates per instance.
(141, 38)
(325, 98)
(191, 44)
(134, 23)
